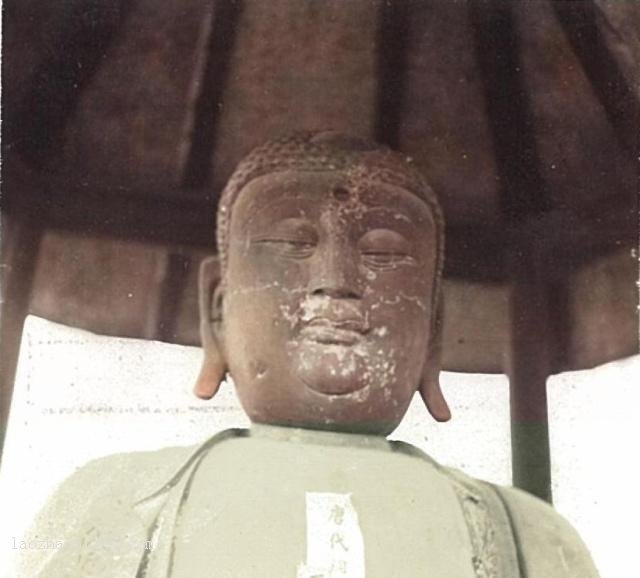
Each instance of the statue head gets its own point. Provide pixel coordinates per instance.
(324, 301)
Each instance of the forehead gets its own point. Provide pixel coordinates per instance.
(314, 191)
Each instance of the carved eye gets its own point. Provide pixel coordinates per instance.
(293, 238)
(384, 249)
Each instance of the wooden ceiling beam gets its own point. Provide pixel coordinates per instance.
(524, 196)
(391, 57)
(83, 36)
(582, 24)
(211, 85)
(210, 81)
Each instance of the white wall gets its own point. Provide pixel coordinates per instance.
(595, 434)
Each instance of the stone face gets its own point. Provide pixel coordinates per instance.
(325, 311)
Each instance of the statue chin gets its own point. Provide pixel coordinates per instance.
(332, 370)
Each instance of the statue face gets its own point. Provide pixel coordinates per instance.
(327, 302)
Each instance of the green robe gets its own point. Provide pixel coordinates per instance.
(236, 504)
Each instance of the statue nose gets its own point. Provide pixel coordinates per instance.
(335, 273)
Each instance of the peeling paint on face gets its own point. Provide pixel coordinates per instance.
(346, 267)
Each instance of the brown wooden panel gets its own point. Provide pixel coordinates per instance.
(28, 30)
(444, 124)
(476, 327)
(106, 286)
(619, 24)
(132, 124)
(608, 51)
(604, 310)
(582, 160)
(119, 288)
(297, 65)
(73, 38)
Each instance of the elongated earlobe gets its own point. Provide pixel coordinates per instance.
(429, 387)
(435, 401)
(211, 376)
(214, 367)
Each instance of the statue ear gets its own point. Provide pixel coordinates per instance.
(214, 366)
(430, 383)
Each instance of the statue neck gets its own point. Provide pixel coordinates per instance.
(318, 437)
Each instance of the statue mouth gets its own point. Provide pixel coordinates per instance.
(328, 331)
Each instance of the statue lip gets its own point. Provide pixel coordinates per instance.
(334, 331)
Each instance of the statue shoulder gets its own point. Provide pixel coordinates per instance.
(548, 545)
(125, 473)
(513, 532)
(127, 477)
(118, 476)
(100, 500)
(109, 483)
(132, 476)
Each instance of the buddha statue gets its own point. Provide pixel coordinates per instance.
(324, 305)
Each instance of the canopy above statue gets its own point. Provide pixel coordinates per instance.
(124, 120)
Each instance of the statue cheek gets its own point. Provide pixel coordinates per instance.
(259, 369)
(397, 308)
(410, 282)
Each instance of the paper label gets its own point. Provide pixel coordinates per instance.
(335, 547)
